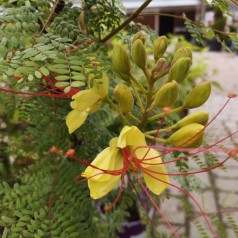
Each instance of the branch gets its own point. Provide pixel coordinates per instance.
(127, 21)
(50, 16)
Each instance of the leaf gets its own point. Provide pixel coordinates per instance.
(44, 71)
(62, 84)
(67, 89)
(62, 77)
(38, 74)
(77, 84)
(79, 77)
(5, 232)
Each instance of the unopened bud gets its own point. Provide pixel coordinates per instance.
(124, 97)
(166, 95)
(139, 36)
(180, 69)
(182, 53)
(190, 136)
(160, 69)
(138, 54)
(200, 117)
(160, 46)
(121, 61)
(198, 95)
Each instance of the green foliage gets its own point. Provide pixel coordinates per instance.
(101, 16)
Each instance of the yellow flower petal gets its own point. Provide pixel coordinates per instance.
(100, 189)
(131, 136)
(85, 99)
(109, 159)
(101, 85)
(75, 119)
(151, 170)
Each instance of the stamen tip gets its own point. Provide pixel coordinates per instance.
(107, 208)
(53, 149)
(232, 95)
(166, 109)
(70, 152)
(233, 152)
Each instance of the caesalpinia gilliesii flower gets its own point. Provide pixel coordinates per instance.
(126, 152)
(86, 101)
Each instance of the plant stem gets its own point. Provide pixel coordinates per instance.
(138, 84)
(133, 117)
(110, 102)
(157, 139)
(178, 109)
(167, 129)
(149, 100)
(127, 21)
(138, 98)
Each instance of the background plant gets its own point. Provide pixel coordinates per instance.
(45, 55)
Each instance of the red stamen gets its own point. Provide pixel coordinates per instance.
(155, 205)
(186, 193)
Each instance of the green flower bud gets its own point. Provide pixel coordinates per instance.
(138, 54)
(180, 69)
(160, 69)
(121, 61)
(160, 46)
(200, 117)
(124, 97)
(190, 136)
(182, 53)
(198, 95)
(139, 36)
(166, 95)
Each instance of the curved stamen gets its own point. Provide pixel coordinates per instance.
(189, 195)
(155, 205)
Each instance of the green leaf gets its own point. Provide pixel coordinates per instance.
(44, 71)
(62, 84)
(79, 77)
(67, 89)
(30, 77)
(62, 77)
(38, 74)
(77, 84)
(5, 232)
(7, 220)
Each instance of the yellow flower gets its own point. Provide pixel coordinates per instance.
(107, 168)
(86, 101)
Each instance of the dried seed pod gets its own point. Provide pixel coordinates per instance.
(190, 136)
(180, 69)
(160, 46)
(124, 97)
(198, 95)
(166, 95)
(200, 117)
(138, 54)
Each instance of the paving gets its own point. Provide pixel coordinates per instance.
(220, 191)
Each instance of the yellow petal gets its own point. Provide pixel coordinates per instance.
(109, 159)
(151, 170)
(85, 99)
(131, 136)
(101, 85)
(100, 189)
(75, 119)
